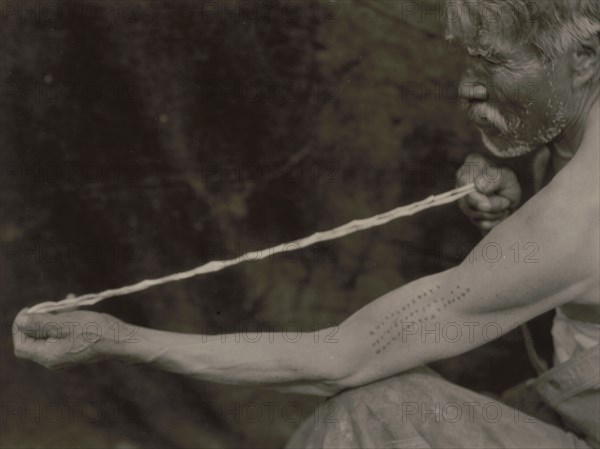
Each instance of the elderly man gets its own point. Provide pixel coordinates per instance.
(532, 81)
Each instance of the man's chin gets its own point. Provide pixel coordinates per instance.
(502, 148)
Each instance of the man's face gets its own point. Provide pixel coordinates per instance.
(523, 101)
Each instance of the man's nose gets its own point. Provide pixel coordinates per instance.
(471, 89)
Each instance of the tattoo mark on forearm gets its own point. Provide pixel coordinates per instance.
(420, 309)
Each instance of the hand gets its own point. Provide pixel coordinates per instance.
(63, 339)
(498, 192)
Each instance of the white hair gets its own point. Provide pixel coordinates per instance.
(552, 26)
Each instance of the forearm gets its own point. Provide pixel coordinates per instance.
(529, 264)
(322, 362)
(416, 324)
(293, 362)
(408, 327)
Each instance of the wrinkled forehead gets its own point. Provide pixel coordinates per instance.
(483, 23)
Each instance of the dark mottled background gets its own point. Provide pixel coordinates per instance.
(140, 138)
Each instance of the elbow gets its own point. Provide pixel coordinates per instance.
(330, 377)
(346, 370)
(331, 387)
(341, 365)
(350, 363)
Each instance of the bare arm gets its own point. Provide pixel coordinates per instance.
(430, 319)
(494, 289)
(534, 261)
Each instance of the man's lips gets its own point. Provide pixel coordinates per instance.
(485, 125)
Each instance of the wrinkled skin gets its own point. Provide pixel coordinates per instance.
(58, 341)
(498, 191)
(518, 99)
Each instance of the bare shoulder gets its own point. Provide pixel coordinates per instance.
(562, 224)
(579, 181)
(568, 210)
(573, 198)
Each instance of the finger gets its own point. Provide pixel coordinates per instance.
(476, 215)
(501, 181)
(22, 315)
(38, 325)
(488, 216)
(463, 205)
(475, 164)
(498, 204)
(476, 159)
(488, 181)
(494, 178)
(43, 352)
(26, 323)
(512, 191)
(488, 225)
(466, 172)
(28, 348)
(22, 346)
(479, 201)
(463, 177)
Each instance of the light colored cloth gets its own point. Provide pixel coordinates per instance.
(572, 337)
(420, 409)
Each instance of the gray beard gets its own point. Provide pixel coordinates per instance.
(516, 150)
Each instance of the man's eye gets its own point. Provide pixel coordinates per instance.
(490, 60)
(486, 57)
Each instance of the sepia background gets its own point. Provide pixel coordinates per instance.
(141, 138)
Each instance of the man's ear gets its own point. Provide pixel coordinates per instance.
(585, 62)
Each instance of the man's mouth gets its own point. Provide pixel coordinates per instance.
(485, 125)
(482, 122)
(487, 119)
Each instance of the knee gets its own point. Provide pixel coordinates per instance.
(367, 416)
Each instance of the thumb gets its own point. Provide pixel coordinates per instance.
(496, 179)
(488, 181)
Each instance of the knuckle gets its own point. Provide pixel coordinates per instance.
(472, 157)
(47, 360)
(508, 176)
(20, 353)
(52, 365)
(465, 208)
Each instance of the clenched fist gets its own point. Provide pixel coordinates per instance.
(498, 191)
(60, 340)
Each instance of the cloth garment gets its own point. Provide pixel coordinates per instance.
(420, 409)
(572, 337)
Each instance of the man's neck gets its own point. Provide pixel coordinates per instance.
(570, 139)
